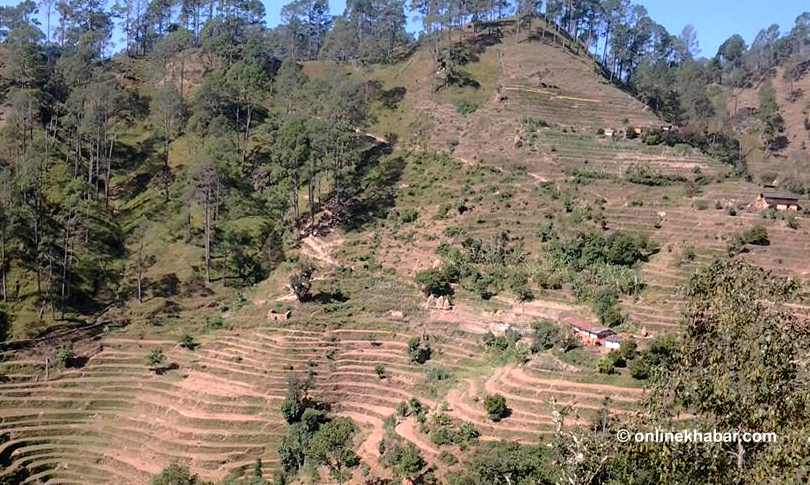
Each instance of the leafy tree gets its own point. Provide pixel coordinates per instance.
(495, 406)
(506, 462)
(292, 149)
(545, 335)
(605, 365)
(411, 464)
(249, 245)
(332, 446)
(434, 281)
(205, 179)
(307, 23)
(167, 114)
(301, 280)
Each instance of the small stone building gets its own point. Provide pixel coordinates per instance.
(780, 200)
(590, 334)
(278, 316)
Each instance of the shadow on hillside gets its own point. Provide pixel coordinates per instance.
(376, 188)
(77, 362)
(479, 43)
(139, 159)
(166, 368)
(326, 297)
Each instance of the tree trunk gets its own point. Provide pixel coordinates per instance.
(208, 233)
(312, 178)
(109, 163)
(3, 255)
(296, 210)
(65, 255)
(140, 272)
(247, 133)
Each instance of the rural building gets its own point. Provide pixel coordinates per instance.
(590, 334)
(615, 341)
(278, 316)
(609, 132)
(780, 200)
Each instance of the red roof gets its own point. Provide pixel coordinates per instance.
(590, 328)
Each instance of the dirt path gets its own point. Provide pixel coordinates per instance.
(320, 249)
(369, 450)
(407, 429)
(563, 385)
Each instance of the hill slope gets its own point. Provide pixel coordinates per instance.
(526, 160)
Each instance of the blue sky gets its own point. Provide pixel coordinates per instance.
(715, 20)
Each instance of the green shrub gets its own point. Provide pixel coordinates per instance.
(408, 215)
(469, 433)
(491, 341)
(403, 409)
(379, 369)
(662, 352)
(213, 323)
(495, 406)
(447, 458)
(466, 107)
(757, 235)
(176, 475)
(644, 176)
(443, 436)
(689, 253)
(605, 365)
(65, 356)
(436, 374)
(629, 349)
(416, 353)
(155, 358)
(187, 342)
(442, 212)
(434, 281)
(607, 307)
(792, 222)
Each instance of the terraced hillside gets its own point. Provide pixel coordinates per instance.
(538, 107)
(216, 408)
(529, 158)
